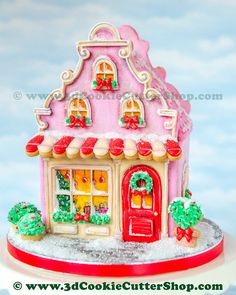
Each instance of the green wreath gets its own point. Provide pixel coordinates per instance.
(138, 176)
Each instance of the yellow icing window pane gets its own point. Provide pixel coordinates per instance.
(136, 201)
(100, 181)
(104, 70)
(147, 201)
(81, 203)
(82, 180)
(137, 114)
(78, 107)
(136, 105)
(100, 204)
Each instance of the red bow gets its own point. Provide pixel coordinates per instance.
(131, 122)
(74, 121)
(143, 193)
(103, 83)
(184, 233)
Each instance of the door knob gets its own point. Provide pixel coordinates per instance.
(155, 213)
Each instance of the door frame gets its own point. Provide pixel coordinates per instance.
(157, 203)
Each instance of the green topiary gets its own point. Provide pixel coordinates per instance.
(185, 212)
(31, 225)
(19, 210)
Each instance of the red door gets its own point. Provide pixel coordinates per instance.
(141, 213)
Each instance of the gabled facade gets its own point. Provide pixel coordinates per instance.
(113, 142)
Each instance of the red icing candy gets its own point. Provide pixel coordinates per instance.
(116, 146)
(61, 145)
(32, 145)
(173, 148)
(144, 148)
(88, 145)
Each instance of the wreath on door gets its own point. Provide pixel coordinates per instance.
(141, 183)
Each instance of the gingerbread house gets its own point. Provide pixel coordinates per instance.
(113, 142)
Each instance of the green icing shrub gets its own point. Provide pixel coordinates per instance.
(31, 225)
(19, 210)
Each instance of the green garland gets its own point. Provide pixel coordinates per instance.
(61, 216)
(185, 213)
(100, 218)
(138, 176)
(19, 210)
(31, 225)
(64, 202)
(63, 183)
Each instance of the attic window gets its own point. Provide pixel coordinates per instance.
(132, 112)
(78, 111)
(104, 75)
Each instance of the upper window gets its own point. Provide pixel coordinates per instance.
(78, 111)
(104, 74)
(132, 112)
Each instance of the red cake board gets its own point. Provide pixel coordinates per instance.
(116, 270)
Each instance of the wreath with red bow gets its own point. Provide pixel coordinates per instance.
(77, 121)
(104, 84)
(141, 183)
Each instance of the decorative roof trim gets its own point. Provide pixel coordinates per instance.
(69, 76)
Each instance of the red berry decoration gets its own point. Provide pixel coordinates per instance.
(67, 176)
(101, 179)
(84, 179)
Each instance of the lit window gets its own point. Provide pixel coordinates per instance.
(105, 75)
(132, 112)
(83, 193)
(78, 111)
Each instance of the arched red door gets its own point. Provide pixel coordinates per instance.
(141, 213)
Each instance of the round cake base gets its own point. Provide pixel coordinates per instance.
(109, 257)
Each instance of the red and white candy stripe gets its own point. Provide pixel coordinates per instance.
(71, 147)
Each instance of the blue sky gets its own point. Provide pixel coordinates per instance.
(194, 40)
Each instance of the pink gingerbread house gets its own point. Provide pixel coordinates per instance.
(113, 143)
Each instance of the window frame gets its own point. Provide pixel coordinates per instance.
(72, 192)
(124, 99)
(105, 59)
(78, 95)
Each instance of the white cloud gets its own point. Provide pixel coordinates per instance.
(218, 45)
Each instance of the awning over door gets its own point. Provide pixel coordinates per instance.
(70, 147)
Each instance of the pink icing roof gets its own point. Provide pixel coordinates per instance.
(141, 62)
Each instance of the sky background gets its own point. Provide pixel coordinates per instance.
(193, 40)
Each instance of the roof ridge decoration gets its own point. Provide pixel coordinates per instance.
(144, 77)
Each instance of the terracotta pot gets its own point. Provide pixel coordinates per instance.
(192, 243)
(32, 238)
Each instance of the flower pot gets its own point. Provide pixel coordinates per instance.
(32, 238)
(187, 237)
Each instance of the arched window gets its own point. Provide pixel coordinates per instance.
(78, 111)
(104, 74)
(132, 112)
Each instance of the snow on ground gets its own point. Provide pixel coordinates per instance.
(114, 251)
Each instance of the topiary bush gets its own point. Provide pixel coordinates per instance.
(19, 210)
(31, 224)
(185, 212)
